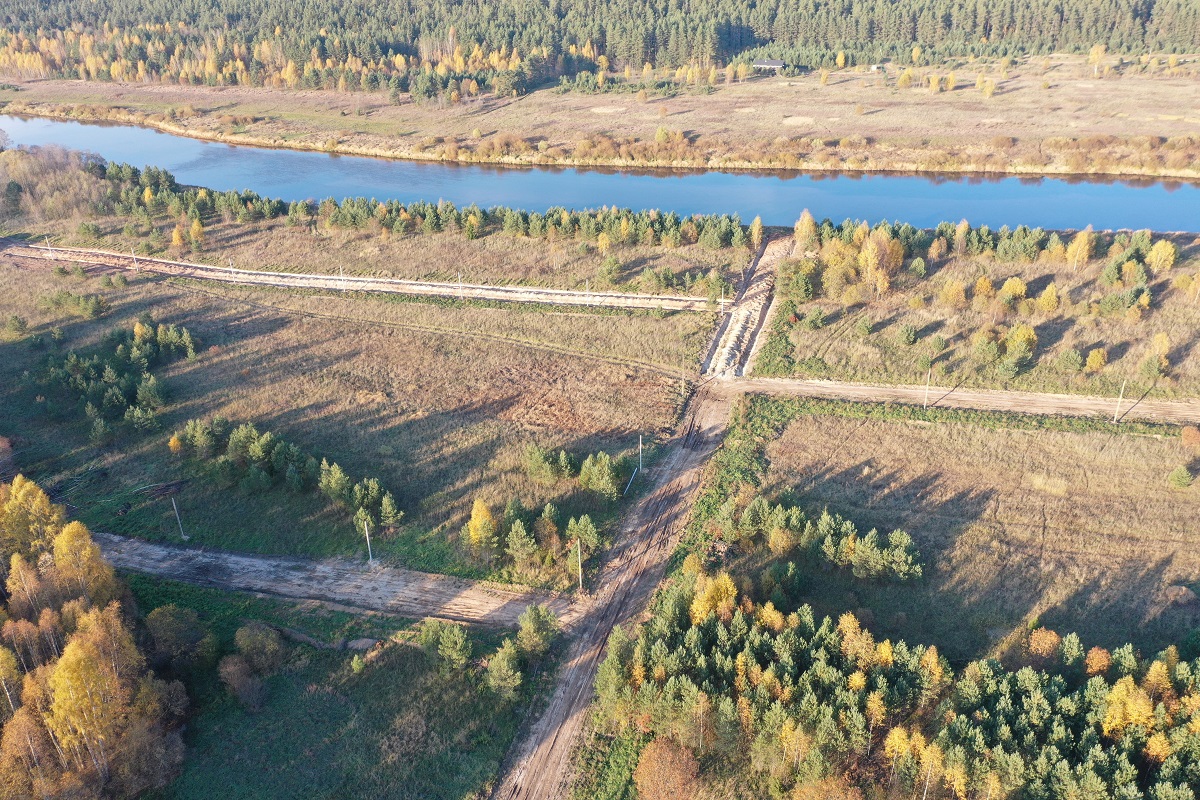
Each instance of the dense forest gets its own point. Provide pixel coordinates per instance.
(740, 684)
(423, 46)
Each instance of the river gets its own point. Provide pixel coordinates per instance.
(778, 197)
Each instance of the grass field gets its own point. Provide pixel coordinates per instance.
(842, 348)
(326, 731)
(861, 119)
(436, 400)
(1077, 529)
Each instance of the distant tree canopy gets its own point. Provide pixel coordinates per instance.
(357, 45)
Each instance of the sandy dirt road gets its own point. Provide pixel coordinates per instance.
(1132, 407)
(539, 765)
(339, 581)
(467, 291)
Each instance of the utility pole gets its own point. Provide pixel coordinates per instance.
(231, 266)
(639, 452)
(1120, 397)
(342, 275)
(928, 378)
(367, 533)
(461, 296)
(177, 519)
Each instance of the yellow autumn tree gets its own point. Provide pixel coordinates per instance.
(81, 569)
(1048, 302)
(28, 520)
(805, 232)
(1161, 256)
(196, 234)
(1127, 704)
(1081, 247)
(717, 594)
(481, 528)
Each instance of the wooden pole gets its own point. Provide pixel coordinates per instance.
(367, 533)
(579, 554)
(639, 451)
(1120, 397)
(928, 378)
(178, 521)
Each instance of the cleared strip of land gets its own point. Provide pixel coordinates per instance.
(1128, 408)
(463, 291)
(347, 583)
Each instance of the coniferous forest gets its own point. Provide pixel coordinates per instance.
(360, 45)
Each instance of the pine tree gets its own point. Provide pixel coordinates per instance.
(521, 545)
(389, 515)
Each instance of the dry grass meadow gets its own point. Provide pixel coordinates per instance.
(1080, 531)
(437, 400)
(862, 119)
(843, 349)
(496, 258)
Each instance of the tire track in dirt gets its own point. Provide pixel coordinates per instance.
(539, 764)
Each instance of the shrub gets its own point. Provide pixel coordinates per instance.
(1097, 360)
(247, 687)
(1180, 477)
(666, 771)
(907, 335)
(262, 647)
(1190, 437)
(180, 640)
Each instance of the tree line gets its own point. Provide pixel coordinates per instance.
(81, 715)
(352, 45)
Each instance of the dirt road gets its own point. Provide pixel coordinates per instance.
(339, 581)
(539, 765)
(465, 291)
(1132, 407)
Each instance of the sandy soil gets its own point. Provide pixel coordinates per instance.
(341, 581)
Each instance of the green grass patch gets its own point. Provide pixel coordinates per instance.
(398, 728)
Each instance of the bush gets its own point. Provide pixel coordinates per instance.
(247, 687)
(907, 335)
(1181, 477)
(180, 641)
(666, 771)
(1190, 437)
(262, 647)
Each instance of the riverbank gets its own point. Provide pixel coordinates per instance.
(1047, 119)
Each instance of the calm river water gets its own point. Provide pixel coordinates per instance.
(777, 197)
